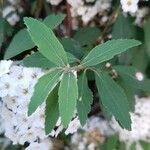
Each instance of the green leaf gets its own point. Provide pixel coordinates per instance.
(147, 35)
(145, 145)
(111, 142)
(140, 54)
(113, 98)
(68, 94)
(42, 89)
(1, 31)
(133, 147)
(51, 111)
(130, 93)
(37, 60)
(87, 35)
(48, 44)
(128, 75)
(53, 20)
(72, 58)
(121, 146)
(85, 98)
(20, 43)
(108, 50)
(72, 47)
(122, 28)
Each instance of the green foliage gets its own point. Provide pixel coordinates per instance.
(44, 86)
(147, 35)
(47, 43)
(37, 60)
(1, 31)
(68, 94)
(87, 35)
(128, 75)
(20, 43)
(52, 21)
(113, 99)
(74, 93)
(145, 145)
(111, 142)
(133, 146)
(5, 29)
(122, 28)
(85, 99)
(107, 51)
(51, 111)
(129, 91)
(72, 47)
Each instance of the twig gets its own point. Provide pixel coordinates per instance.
(108, 24)
(69, 21)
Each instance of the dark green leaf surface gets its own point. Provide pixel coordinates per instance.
(87, 35)
(114, 99)
(68, 94)
(37, 60)
(42, 89)
(72, 47)
(111, 142)
(72, 58)
(47, 43)
(133, 147)
(53, 20)
(51, 111)
(145, 145)
(85, 99)
(128, 75)
(108, 50)
(20, 43)
(1, 30)
(130, 93)
(122, 28)
(147, 35)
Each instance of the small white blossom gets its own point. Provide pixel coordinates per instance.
(130, 6)
(140, 123)
(73, 126)
(5, 66)
(54, 2)
(139, 76)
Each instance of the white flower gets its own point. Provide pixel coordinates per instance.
(44, 145)
(140, 123)
(7, 86)
(13, 19)
(5, 66)
(73, 126)
(7, 10)
(13, 2)
(54, 2)
(130, 6)
(139, 76)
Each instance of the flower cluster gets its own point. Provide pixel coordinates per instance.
(91, 135)
(88, 9)
(16, 89)
(140, 123)
(131, 7)
(54, 2)
(11, 12)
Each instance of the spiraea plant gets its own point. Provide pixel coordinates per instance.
(64, 87)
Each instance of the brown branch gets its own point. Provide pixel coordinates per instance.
(69, 21)
(108, 25)
(38, 8)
